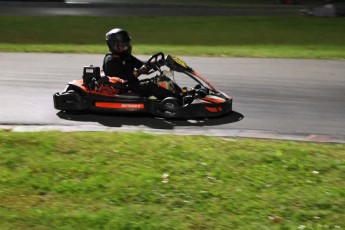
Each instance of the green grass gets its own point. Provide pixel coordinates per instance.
(292, 37)
(114, 181)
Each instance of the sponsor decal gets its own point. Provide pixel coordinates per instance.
(132, 106)
(112, 105)
(181, 62)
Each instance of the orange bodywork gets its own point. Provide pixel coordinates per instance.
(107, 90)
(117, 105)
(214, 109)
(214, 99)
(104, 89)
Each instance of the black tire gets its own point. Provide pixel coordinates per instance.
(72, 102)
(170, 106)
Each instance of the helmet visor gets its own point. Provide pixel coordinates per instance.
(123, 45)
(120, 47)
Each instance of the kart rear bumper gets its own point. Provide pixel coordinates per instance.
(69, 102)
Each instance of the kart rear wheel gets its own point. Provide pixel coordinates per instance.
(72, 102)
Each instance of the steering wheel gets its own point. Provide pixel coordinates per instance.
(156, 61)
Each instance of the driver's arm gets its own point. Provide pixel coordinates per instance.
(137, 63)
(140, 67)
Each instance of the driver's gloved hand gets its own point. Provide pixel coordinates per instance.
(104, 80)
(143, 70)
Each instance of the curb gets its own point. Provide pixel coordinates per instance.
(258, 134)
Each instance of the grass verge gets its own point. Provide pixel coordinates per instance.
(114, 181)
(293, 37)
(255, 51)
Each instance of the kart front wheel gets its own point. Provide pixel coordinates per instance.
(170, 106)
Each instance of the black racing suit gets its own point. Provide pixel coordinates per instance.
(123, 66)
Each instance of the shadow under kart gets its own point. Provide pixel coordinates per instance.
(118, 120)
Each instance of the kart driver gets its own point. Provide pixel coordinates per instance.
(120, 63)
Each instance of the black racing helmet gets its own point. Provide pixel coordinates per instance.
(119, 41)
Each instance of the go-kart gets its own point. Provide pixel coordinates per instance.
(200, 100)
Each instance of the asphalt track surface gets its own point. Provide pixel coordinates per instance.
(273, 98)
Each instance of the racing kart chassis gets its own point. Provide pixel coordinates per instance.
(201, 101)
